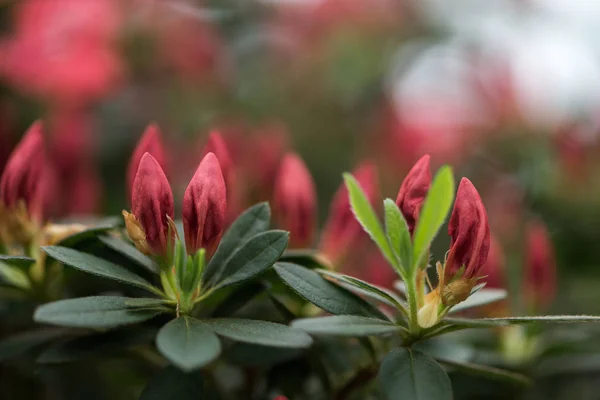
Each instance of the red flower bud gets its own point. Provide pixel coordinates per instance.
(150, 142)
(413, 191)
(493, 268)
(342, 231)
(470, 233)
(27, 174)
(204, 206)
(218, 147)
(295, 200)
(151, 203)
(540, 266)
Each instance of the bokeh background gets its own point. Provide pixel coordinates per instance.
(505, 91)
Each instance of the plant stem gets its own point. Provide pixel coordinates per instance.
(413, 306)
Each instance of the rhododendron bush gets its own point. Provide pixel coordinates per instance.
(324, 199)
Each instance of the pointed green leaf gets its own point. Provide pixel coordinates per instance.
(374, 292)
(486, 372)
(20, 262)
(254, 257)
(345, 325)
(188, 343)
(253, 221)
(97, 266)
(480, 298)
(323, 294)
(259, 332)
(507, 321)
(171, 383)
(130, 252)
(367, 217)
(398, 234)
(411, 374)
(92, 312)
(433, 214)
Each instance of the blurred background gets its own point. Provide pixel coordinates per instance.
(506, 91)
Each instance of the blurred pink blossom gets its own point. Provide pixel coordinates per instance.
(63, 49)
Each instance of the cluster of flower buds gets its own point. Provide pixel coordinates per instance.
(469, 242)
(24, 189)
(150, 223)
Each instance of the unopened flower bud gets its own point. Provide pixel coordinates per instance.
(413, 191)
(24, 189)
(470, 235)
(294, 201)
(540, 266)
(151, 204)
(342, 231)
(151, 143)
(204, 207)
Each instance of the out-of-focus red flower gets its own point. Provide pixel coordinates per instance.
(470, 234)
(73, 156)
(151, 204)
(341, 230)
(413, 191)
(540, 266)
(204, 207)
(493, 268)
(504, 200)
(150, 142)
(295, 201)
(26, 177)
(64, 49)
(267, 149)
(6, 129)
(198, 53)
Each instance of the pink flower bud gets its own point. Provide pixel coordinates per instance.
(540, 266)
(414, 190)
(470, 233)
(27, 174)
(150, 142)
(151, 204)
(205, 206)
(342, 231)
(216, 145)
(295, 201)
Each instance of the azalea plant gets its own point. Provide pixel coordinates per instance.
(202, 299)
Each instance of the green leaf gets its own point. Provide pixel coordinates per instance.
(411, 374)
(253, 355)
(367, 217)
(238, 299)
(14, 276)
(254, 257)
(433, 214)
(507, 321)
(188, 343)
(487, 372)
(323, 294)
(480, 298)
(97, 266)
(253, 221)
(17, 345)
(374, 292)
(130, 251)
(172, 383)
(259, 332)
(79, 237)
(92, 312)
(398, 234)
(345, 325)
(20, 262)
(143, 302)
